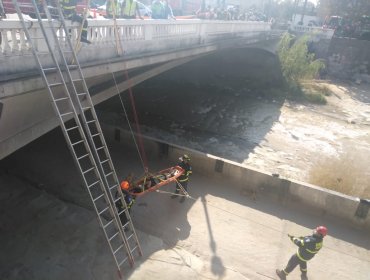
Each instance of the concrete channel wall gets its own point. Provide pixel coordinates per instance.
(351, 210)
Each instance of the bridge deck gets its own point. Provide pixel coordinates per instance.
(218, 234)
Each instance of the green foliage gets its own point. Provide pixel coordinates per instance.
(297, 64)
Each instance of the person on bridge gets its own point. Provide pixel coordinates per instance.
(182, 181)
(69, 12)
(168, 13)
(113, 9)
(158, 10)
(308, 247)
(130, 8)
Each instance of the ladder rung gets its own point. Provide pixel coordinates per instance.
(115, 186)
(82, 93)
(55, 85)
(93, 184)
(113, 236)
(122, 212)
(88, 170)
(65, 114)
(115, 201)
(77, 142)
(100, 196)
(49, 69)
(122, 262)
(68, 129)
(102, 147)
(104, 161)
(86, 108)
(91, 121)
(102, 211)
(120, 247)
(110, 173)
(81, 157)
(107, 224)
(133, 249)
(60, 99)
(129, 237)
(96, 134)
(77, 80)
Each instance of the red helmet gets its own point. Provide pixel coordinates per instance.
(125, 185)
(323, 231)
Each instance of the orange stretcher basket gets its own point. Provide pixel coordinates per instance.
(153, 182)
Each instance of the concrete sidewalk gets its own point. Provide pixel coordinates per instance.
(218, 233)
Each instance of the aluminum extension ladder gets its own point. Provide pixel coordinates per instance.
(70, 98)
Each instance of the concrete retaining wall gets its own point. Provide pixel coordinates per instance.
(323, 201)
(349, 59)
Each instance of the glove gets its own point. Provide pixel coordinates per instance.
(290, 236)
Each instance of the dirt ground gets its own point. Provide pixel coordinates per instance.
(249, 127)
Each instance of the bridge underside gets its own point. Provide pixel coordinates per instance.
(26, 112)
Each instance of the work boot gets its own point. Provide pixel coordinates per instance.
(84, 40)
(281, 274)
(304, 276)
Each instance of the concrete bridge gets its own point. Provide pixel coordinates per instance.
(145, 48)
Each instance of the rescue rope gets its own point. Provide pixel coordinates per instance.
(142, 160)
(138, 144)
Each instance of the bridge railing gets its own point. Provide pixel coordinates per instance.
(135, 37)
(320, 32)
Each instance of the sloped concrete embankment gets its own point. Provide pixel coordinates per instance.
(351, 210)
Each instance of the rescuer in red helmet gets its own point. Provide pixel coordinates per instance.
(308, 247)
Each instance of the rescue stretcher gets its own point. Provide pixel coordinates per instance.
(153, 182)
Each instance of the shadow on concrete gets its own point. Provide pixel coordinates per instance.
(217, 266)
(294, 212)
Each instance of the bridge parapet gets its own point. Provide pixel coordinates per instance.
(316, 32)
(129, 38)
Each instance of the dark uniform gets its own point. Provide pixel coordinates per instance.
(69, 12)
(120, 207)
(184, 178)
(308, 247)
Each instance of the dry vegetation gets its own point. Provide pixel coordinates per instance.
(348, 174)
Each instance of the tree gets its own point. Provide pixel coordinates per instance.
(296, 63)
(350, 9)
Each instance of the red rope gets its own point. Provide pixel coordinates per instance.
(138, 131)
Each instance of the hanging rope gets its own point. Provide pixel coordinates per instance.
(138, 131)
(142, 160)
(138, 144)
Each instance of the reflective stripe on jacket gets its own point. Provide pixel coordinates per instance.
(187, 171)
(68, 6)
(308, 246)
(114, 7)
(130, 8)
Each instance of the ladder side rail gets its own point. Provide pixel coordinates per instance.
(98, 127)
(69, 76)
(57, 110)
